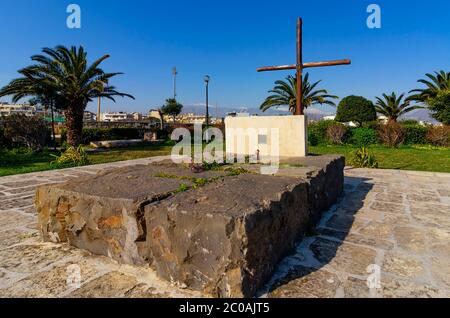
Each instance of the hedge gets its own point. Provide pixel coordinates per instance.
(102, 134)
(415, 134)
(362, 137)
(317, 132)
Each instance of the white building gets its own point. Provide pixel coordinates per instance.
(24, 109)
(122, 116)
(114, 116)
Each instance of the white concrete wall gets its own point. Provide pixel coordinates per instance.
(286, 135)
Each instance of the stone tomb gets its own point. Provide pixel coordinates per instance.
(220, 232)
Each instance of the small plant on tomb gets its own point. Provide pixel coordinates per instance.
(363, 158)
(182, 188)
(235, 171)
(72, 157)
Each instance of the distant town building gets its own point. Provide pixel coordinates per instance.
(154, 113)
(136, 116)
(114, 116)
(89, 117)
(123, 117)
(24, 109)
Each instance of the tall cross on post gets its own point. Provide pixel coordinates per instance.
(299, 66)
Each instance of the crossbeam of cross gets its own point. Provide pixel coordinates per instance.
(299, 66)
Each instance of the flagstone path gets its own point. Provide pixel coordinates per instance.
(390, 231)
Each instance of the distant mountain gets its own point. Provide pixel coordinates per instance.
(421, 115)
(221, 112)
(313, 113)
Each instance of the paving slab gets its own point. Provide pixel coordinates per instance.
(30, 268)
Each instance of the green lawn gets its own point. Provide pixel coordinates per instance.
(22, 161)
(403, 158)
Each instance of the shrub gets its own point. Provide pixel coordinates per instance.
(363, 137)
(355, 109)
(103, 134)
(392, 134)
(409, 122)
(336, 133)
(363, 158)
(3, 140)
(415, 134)
(319, 129)
(440, 107)
(439, 135)
(30, 132)
(313, 140)
(72, 157)
(374, 124)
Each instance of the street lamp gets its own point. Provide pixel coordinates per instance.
(207, 78)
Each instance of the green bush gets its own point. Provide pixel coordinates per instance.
(374, 124)
(415, 134)
(363, 158)
(362, 137)
(319, 129)
(440, 107)
(3, 140)
(103, 134)
(355, 109)
(409, 122)
(313, 140)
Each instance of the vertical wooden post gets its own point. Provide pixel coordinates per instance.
(299, 106)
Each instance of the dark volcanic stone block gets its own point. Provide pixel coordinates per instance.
(104, 213)
(226, 237)
(223, 237)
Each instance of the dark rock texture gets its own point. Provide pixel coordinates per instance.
(226, 237)
(209, 231)
(104, 213)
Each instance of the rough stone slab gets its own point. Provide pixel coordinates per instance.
(103, 213)
(223, 238)
(226, 238)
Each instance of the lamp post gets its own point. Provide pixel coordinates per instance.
(207, 78)
(174, 73)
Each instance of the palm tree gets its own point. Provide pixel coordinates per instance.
(393, 107)
(435, 84)
(285, 94)
(64, 74)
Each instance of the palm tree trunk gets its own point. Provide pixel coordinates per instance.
(74, 123)
(162, 118)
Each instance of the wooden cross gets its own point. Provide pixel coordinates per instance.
(299, 109)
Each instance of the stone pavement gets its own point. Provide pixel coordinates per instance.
(395, 223)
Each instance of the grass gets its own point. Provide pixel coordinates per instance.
(403, 158)
(20, 161)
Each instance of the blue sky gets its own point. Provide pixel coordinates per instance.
(229, 39)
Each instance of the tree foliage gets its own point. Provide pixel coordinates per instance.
(172, 108)
(440, 107)
(285, 94)
(64, 76)
(355, 109)
(393, 107)
(434, 84)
